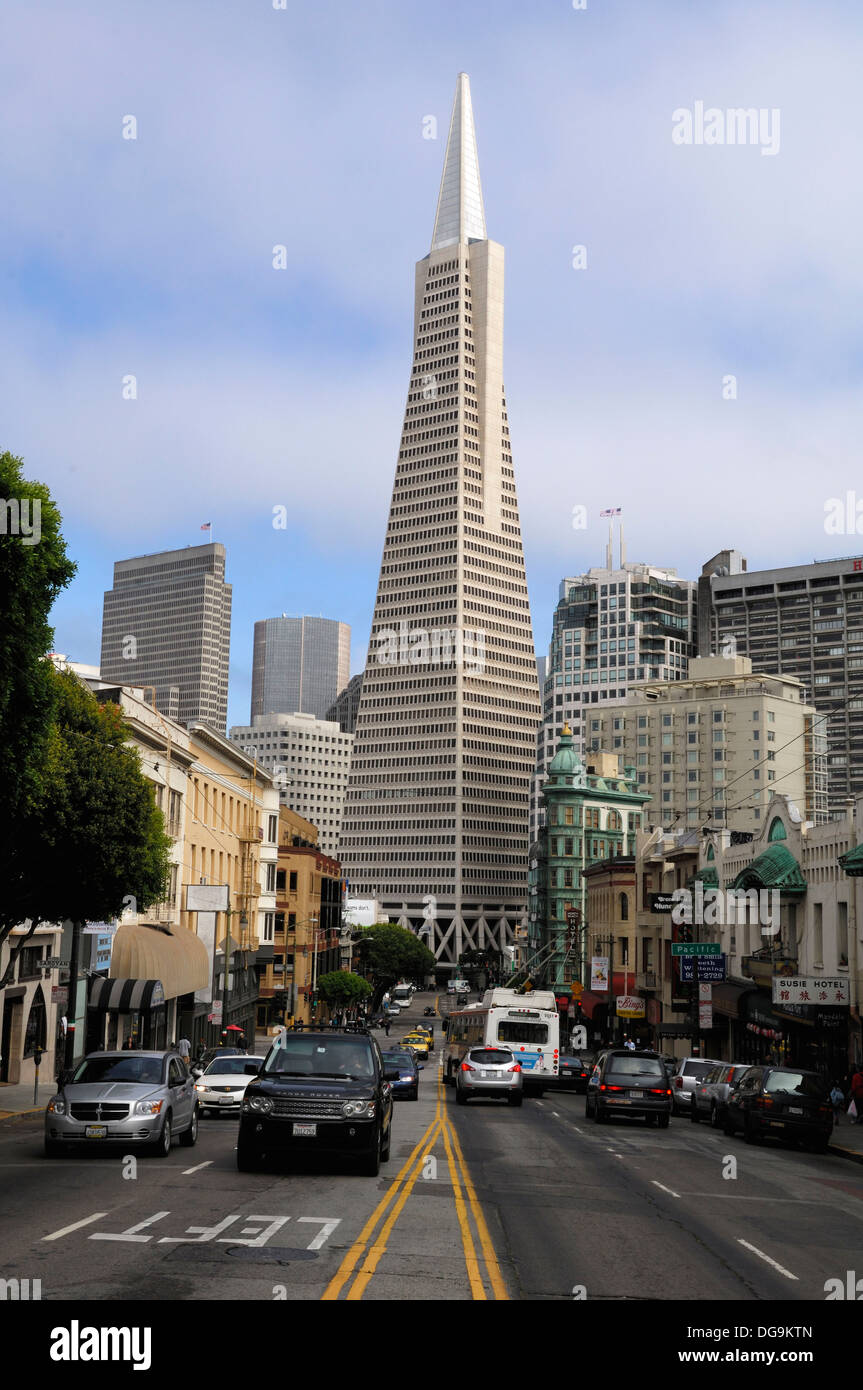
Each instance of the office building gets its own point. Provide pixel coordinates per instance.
(299, 665)
(167, 624)
(436, 823)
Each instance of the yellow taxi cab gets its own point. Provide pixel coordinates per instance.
(427, 1034)
(419, 1042)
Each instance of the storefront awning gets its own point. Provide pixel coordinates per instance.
(126, 996)
(726, 998)
(852, 862)
(177, 957)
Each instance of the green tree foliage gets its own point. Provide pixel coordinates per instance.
(389, 952)
(92, 842)
(341, 989)
(34, 569)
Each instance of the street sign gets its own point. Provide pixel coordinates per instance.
(707, 968)
(59, 996)
(705, 994)
(53, 963)
(216, 1015)
(705, 1016)
(696, 948)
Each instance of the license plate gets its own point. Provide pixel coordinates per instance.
(636, 1095)
(96, 1131)
(305, 1131)
(795, 1110)
(226, 1100)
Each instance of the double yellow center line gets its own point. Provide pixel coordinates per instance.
(363, 1257)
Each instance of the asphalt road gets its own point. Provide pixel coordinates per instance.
(480, 1202)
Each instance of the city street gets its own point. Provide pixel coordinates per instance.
(477, 1202)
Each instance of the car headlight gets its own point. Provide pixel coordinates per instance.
(57, 1106)
(200, 1087)
(359, 1109)
(149, 1107)
(261, 1105)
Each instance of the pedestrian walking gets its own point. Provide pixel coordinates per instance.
(387, 1025)
(184, 1047)
(837, 1100)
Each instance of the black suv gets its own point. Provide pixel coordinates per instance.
(629, 1083)
(322, 1093)
(786, 1102)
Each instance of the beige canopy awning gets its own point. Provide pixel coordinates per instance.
(173, 955)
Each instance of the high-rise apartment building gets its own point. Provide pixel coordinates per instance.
(167, 623)
(299, 665)
(612, 627)
(804, 621)
(308, 760)
(436, 819)
(715, 747)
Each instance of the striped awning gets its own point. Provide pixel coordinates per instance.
(126, 996)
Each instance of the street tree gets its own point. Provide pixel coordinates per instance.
(92, 842)
(342, 990)
(388, 953)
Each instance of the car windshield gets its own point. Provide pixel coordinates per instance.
(140, 1071)
(398, 1059)
(635, 1066)
(337, 1056)
(798, 1083)
(230, 1066)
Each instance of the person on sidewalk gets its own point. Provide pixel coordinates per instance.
(837, 1100)
(857, 1095)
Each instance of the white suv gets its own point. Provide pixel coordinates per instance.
(689, 1071)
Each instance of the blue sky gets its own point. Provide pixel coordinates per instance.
(304, 127)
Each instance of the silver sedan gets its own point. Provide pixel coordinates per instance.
(223, 1084)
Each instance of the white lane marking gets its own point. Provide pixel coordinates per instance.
(328, 1225)
(761, 1255)
(198, 1168)
(664, 1189)
(577, 1130)
(55, 1235)
(131, 1232)
(555, 1114)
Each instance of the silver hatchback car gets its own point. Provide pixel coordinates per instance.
(489, 1071)
(125, 1098)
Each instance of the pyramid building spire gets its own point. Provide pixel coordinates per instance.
(460, 216)
(435, 823)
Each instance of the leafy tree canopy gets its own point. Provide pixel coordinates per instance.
(342, 989)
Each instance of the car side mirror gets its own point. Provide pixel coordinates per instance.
(421, 1066)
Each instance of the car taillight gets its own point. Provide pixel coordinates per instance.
(604, 1087)
(678, 1081)
(825, 1110)
(516, 1066)
(659, 1091)
(763, 1101)
(465, 1066)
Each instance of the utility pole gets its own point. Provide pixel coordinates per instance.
(72, 1001)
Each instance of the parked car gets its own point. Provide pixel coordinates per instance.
(574, 1072)
(404, 1061)
(319, 1092)
(630, 1083)
(489, 1071)
(785, 1102)
(689, 1070)
(223, 1084)
(123, 1098)
(710, 1096)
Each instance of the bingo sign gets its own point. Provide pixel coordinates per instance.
(628, 1006)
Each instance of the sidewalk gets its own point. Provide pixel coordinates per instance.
(845, 1141)
(18, 1100)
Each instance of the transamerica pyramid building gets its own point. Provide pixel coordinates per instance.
(436, 813)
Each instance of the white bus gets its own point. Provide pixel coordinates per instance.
(528, 1023)
(402, 995)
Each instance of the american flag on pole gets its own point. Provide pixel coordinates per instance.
(611, 511)
(207, 526)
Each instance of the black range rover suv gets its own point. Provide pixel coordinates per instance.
(321, 1092)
